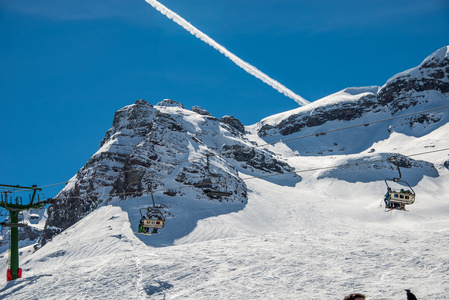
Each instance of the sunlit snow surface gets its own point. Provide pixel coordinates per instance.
(321, 239)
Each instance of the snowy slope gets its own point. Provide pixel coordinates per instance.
(288, 243)
(320, 235)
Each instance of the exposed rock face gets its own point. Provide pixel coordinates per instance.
(255, 158)
(201, 111)
(94, 181)
(432, 74)
(170, 103)
(233, 122)
(317, 116)
(343, 111)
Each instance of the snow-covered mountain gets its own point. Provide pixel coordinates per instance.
(421, 88)
(305, 218)
(164, 148)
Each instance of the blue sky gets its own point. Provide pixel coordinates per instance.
(67, 65)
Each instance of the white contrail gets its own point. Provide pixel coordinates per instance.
(242, 64)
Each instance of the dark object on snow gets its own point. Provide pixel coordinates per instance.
(354, 297)
(410, 295)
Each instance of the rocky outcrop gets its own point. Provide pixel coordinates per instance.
(200, 111)
(93, 182)
(342, 111)
(234, 123)
(426, 85)
(404, 89)
(256, 158)
(170, 103)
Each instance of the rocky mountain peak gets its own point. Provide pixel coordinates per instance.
(142, 102)
(426, 84)
(161, 148)
(411, 86)
(438, 59)
(170, 103)
(200, 111)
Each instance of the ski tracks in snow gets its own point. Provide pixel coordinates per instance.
(289, 245)
(138, 278)
(97, 257)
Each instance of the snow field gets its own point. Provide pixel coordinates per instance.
(287, 243)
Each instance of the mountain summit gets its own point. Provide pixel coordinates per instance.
(164, 148)
(426, 85)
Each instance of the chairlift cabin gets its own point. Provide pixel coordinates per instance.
(213, 185)
(151, 217)
(401, 194)
(399, 197)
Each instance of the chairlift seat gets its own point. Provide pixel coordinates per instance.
(217, 193)
(14, 225)
(399, 196)
(402, 197)
(150, 223)
(207, 183)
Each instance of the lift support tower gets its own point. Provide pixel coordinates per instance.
(14, 207)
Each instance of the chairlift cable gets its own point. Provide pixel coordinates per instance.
(312, 135)
(349, 127)
(273, 175)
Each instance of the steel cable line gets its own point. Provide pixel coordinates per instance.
(267, 144)
(349, 127)
(272, 175)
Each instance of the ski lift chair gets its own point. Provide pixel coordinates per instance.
(402, 196)
(212, 183)
(153, 218)
(398, 198)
